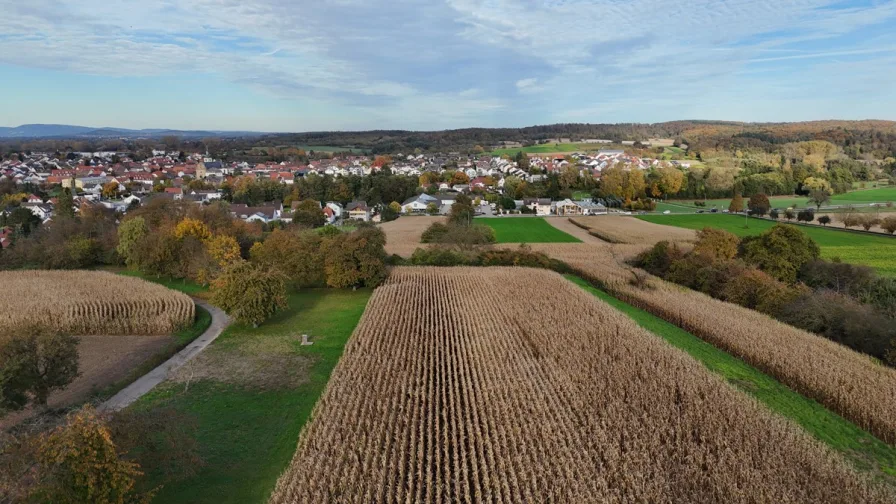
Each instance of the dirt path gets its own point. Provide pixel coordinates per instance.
(147, 382)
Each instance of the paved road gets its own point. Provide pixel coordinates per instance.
(147, 382)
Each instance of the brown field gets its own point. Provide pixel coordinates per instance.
(632, 231)
(563, 224)
(102, 361)
(448, 393)
(403, 234)
(845, 381)
(91, 302)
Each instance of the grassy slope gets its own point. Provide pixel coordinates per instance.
(864, 450)
(525, 230)
(248, 436)
(879, 252)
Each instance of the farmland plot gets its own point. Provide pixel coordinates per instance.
(445, 394)
(633, 231)
(403, 234)
(847, 382)
(91, 302)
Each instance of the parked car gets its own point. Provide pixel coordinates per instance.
(715, 210)
(667, 212)
(701, 211)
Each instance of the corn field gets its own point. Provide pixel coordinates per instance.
(91, 303)
(449, 393)
(845, 381)
(633, 231)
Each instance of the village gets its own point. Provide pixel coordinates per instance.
(112, 180)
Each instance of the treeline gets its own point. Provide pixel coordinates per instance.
(857, 138)
(779, 273)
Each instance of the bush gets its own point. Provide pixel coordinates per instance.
(458, 235)
(807, 215)
(434, 233)
(842, 319)
(716, 244)
(774, 214)
(839, 277)
(789, 214)
(824, 220)
(780, 251)
(659, 258)
(868, 221)
(441, 256)
(522, 256)
(712, 278)
(889, 224)
(757, 290)
(684, 271)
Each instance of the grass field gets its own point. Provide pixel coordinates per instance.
(552, 148)
(879, 252)
(859, 197)
(525, 230)
(864, 450)
(179, 284)
(247, 433)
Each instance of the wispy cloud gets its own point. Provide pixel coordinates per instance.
(453, 63)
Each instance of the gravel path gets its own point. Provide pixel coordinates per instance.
(147, 382)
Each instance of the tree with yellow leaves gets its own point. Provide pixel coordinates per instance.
(79, 462)
(192, 227)
(225, 250)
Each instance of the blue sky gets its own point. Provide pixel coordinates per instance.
(280, 65)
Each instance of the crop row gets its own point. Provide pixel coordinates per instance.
(91, 302)
(847, 382)
(446, 393)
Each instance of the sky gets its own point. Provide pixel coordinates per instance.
(286, 65)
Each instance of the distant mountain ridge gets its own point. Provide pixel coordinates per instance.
(70, 131)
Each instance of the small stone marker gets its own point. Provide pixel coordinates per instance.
(305, 340)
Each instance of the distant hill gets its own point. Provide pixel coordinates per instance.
(69, 131)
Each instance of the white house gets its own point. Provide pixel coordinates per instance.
(336, 208)
(542, 206)
(418, 203)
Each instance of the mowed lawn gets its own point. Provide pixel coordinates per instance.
(879, 252)
(247, 432)
(525, 230)
(865, 451)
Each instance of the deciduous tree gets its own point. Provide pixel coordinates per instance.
(250, 293)
(130, 234)
(34, 362)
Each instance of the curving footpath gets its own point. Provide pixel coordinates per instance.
(147, 382)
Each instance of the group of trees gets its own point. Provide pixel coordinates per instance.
(779, 273)
(459, 231)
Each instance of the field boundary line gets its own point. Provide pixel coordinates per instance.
(141, 386)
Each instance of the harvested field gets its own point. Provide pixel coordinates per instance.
(564, 224)
(102, 361)
(403, 234)
(629, 230)
(91, 302)
(447, 394)
(845, 381)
